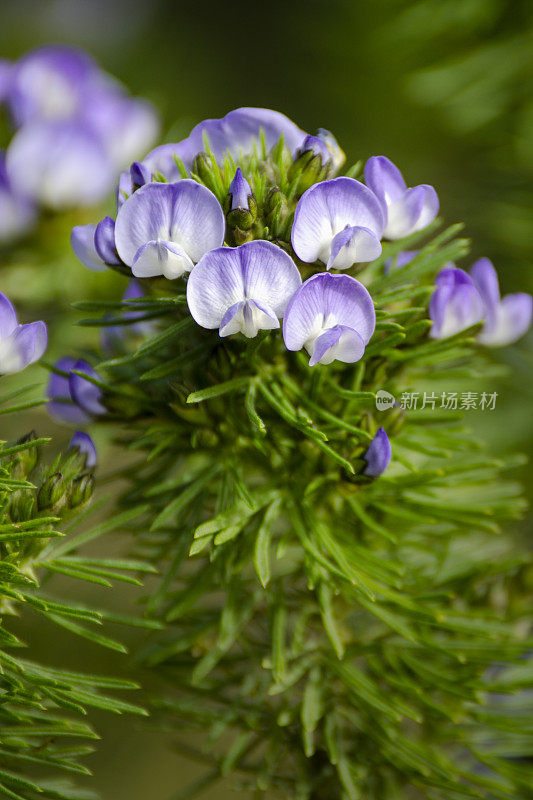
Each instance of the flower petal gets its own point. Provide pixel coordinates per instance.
(353, 245)
(378, 455)
(104, 241)
(338, 343)
(385, 179)
(512, 320)
(84, 393)
(403, 214)
(257, 270)
(248, 317)
(185, 213)
(326, 300)
(325, 209)
(161, 258)
(8, 316)
(82, 242)
(61, 406)
(485, 279)
(455, 304)
(83, 442)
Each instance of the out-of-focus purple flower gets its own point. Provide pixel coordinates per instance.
(407, 210)
(20, 345)
(165, 228)
(339, 222)
(82, 242)
(455, 304)
(72, 398)
(400, 260)
(338, 156)
(378, 455)
(506, 319)
(332, 316)
(239, 191)
(17, 214)
(110, 334)
(237, 134)
(60, 164)
(104, 241)
(85, 445)
(244, 289)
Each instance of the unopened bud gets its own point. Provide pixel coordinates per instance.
(203, 167)
(313, 163)
(242, 205)
(276, 206)
(51, 491)
(81, 490)
(83, 443)
(27, 459)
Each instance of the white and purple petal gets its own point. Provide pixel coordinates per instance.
(185, 217)
(326, 210)
(245, 288)
(82, 243)
(84, 393)
(104, 241)
(455, 304)
(85, 445)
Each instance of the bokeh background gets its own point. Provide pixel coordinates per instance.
(443, 87)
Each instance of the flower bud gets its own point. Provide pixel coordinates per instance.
(203, 167)
(104, 241)
(27, 459)
(140, 174)
(51, 491)
(83, 443)
(276, 208)
(313, 163)
(80, 490)
(242, 205)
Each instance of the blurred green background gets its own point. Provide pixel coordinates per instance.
(443, 87)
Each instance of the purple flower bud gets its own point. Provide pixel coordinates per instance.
(104, 241)
(338, 222)
(140, 174)
(317, 146)
(406, 210)
(70, 397)
(338, 156)
(239, 191)
(455, 304)
(83, 442)
(165, 228)
(244, 289)
(20, 345)
(378, 455)
(507, 319)
(332, 316)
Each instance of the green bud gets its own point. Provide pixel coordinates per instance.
(27, 459)
(308, 168)
(51, 491)
(203, 167)
(276, 207)
(81, 490)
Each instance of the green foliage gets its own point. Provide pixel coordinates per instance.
(42, 737)
(335, 636)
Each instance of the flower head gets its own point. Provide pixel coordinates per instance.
(378, 455)
(332, 316)
(507, 319)
(20, 345)
(245, 288)
(406, 210)
(455, 304)
(165, 228)
(72, 398)
(339, 222)
(82, 442)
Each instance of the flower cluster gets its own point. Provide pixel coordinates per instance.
(20, 345)
(75, 126)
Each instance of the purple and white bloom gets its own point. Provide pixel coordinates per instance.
(72, 398)
(238, 134)
(17, 214)
(332, 316)
(82, 242)
(507, 318)
(338, 222)
(166, 228)
(378, 455)
(239, 191)
(82, 442)
(20, 345)
(406, 210)
(244, 288)
(455, 304)
(60, 164)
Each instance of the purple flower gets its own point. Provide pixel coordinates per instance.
(111, 333)
(455, 304)
(400, 260)
(406, 210)
(165, 228)
(139, 174)
(20, 345)
(237, 134)
(507, 319)
(17, 214)
(317, 146)
(332, 316)
(378, 455)
(85, 445)
(339, 222)
(82, 242)
(244, 288)
(104, 241)
(60, 164)
(72, 398)
(239, 191)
